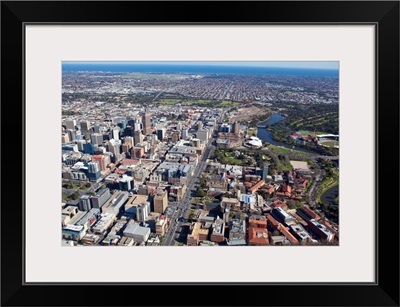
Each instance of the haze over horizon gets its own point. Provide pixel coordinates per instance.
(330, 65)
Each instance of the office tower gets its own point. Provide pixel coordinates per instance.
(84, 203)
(199, 125)
(71, 134)
(125, 183)
(88, 148)
(161, 202)
(137, 126)
(122, 124)
(265, 171)
(93, 167)
(101, 160)
(65, 138)
(185, 133)
(235, 127)
(137, 152)
(125, 148)
(129, 141)
(138, 137)
(80, 144)
(129, 131)
(142, 211)
(94, 171)
(85, 127)
(96, 128)
(146, 123)
(70, 124)
(100, 198)
(113, 146)
(115, 133)
(96, 138)
(160, 134)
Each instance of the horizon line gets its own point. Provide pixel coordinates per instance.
(279, 64)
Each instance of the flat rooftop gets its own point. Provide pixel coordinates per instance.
(299, 165)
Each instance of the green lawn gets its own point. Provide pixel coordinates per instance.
(330, 143)
(166, 101)
(285, 151)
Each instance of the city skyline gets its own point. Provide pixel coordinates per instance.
(216, 157)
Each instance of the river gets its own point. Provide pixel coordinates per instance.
(265, 135)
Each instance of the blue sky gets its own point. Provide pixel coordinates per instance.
(285, 64)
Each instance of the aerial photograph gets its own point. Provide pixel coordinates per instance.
(182, 154)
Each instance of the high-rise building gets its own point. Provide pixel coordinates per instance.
(138, 137)
(96, 128)
(235, 127)
(142, 211)
(113, 146)
(85, 127)
(100, 198)
(160, 134)
(137, 152)
(71, 134)
(129, 141)
(115, 133)
(70, 124)
(185, 133)
(88, 148)
(101, 160)
(84, 203)
(146, 123)
(137, 126)
(96, 138)
(93, 167)
(161, 202)
(265, 171)
(94, 171)
(65, 138)
(125, 183)
(129, 130)
(80, 144)
(126, 147)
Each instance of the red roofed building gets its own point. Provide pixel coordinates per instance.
(258, 222)
(272, 222)
(280, 204)
(258, 236)
(287, 234)
(255, 187)
(269, 189)
(311, 214)
(102, 161)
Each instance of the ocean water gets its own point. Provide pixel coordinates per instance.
(197, 69)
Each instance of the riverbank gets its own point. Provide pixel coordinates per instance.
(266, 136)
(329, 185)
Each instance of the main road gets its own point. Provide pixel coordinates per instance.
(184, 204)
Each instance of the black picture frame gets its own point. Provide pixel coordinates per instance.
(383, 14)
